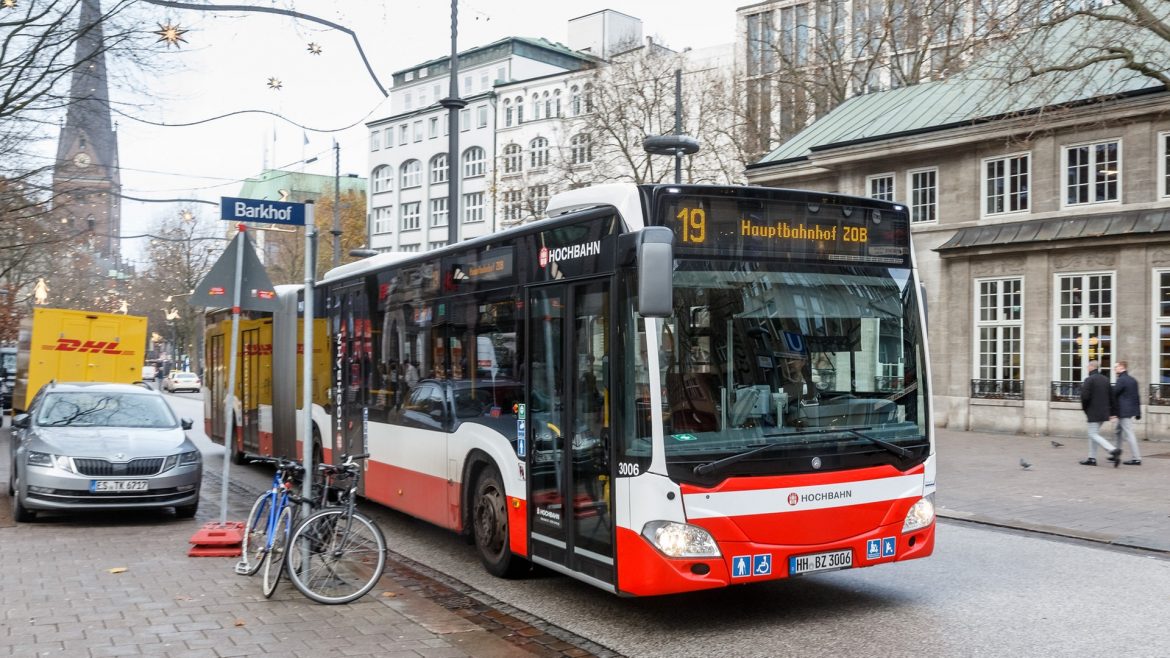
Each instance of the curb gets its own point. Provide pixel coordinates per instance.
(1052, 531)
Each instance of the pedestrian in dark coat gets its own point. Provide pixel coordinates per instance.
(1127, 407)
(1097, 402)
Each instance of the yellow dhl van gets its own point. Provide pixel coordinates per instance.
(76, 346)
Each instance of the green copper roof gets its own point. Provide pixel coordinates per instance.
(983, 91)
(297, 185)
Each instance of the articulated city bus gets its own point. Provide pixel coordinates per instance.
(268, 379)
(657, 389)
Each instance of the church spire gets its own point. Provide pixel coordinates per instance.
(86, 179)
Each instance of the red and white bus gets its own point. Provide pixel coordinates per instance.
(657, 389)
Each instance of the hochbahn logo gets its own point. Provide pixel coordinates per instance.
(89, 346)
(569, 253)
(819, 496)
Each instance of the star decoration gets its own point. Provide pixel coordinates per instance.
(9, 4)
(314, 48)
(274, 83)
(172, 34)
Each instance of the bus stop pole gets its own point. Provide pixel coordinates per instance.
(229, 441)
(307, 350)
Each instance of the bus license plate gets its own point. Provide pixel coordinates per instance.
(117, 485)
(800, 564)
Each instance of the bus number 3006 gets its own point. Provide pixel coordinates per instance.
(627, 468)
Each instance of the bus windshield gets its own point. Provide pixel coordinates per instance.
(812, 360)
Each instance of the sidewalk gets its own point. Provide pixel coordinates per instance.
(980, 479)
(121, 584)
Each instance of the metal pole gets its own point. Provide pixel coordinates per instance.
(678, 124)
(229, 441)
(453, 104)
(307, 350)
(336, 205)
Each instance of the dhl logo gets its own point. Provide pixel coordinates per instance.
(91, 346)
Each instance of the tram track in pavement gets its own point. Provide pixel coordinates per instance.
(507, 622)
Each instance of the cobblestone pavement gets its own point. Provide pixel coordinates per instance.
(119, 584)
(64, 591)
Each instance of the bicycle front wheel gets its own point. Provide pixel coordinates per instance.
(274, 560)
(336, 557)
(255, 543)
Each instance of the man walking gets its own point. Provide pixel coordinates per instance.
(1097, 402)
(1127, 407)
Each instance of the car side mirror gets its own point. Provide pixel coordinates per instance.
(20, 421)
(186, 423)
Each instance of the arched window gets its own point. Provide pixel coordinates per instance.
(535, 107)
(513, 159)
(548, 108)
(557, 102)
(473, 162)
(439, 169)
(507, 112)
(539, 148)
(575, 100)
(588, 98)
(519, 109)
(411, 174)
(383, 179)
(581, 149)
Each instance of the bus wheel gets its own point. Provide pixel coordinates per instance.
(489, 519)
(237, 455)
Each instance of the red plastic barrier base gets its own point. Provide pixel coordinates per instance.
(218, 540)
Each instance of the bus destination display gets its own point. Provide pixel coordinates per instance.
(734, 225)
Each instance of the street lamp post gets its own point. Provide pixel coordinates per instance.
(453, 104)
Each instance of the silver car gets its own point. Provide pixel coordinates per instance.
(102, 446)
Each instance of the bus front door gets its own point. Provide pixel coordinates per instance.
(349, 331)
(570, 499)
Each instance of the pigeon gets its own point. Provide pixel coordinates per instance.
(1056, 444)
(1025, 464)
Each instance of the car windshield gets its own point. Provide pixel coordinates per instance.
(104, 409)
(184, 376)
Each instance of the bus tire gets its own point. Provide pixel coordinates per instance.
(489, 519)
(230, 443)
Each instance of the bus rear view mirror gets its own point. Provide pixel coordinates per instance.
(655, 272)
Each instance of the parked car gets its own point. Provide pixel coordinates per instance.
(89, 446)
(177, 382)
(149, 373)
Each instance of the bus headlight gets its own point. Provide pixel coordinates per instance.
(921, 514)
(680, 540)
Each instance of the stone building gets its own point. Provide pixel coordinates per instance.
(1041, 219)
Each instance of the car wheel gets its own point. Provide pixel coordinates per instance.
(19, 511)
(187, 511)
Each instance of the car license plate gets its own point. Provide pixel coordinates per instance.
(117, 485)
(799, 564)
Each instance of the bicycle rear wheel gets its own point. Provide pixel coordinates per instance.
(334, 557)
(255, 536)
(274, 559)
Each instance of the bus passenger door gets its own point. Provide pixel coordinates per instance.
(349, 324)
(250, 390)
(569, 499)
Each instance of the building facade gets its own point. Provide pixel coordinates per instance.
(409, 171)
(1041, 221)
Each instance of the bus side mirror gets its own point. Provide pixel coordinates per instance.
(655, 272)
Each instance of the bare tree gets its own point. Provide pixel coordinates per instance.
(287, 250)
(633, 98)
(803, 60)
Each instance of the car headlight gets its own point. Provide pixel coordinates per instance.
(48, 460)
(921, 514)
(189, 458)
(680, 539)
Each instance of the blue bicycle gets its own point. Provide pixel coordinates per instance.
(270, 523)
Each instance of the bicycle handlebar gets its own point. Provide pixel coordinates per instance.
(281, 463)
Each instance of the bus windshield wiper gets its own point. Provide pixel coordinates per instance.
(711, 467)
(896, 449)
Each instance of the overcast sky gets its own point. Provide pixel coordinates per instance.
(229, 57)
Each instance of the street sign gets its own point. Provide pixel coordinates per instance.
(216, 289)
(261, 210)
